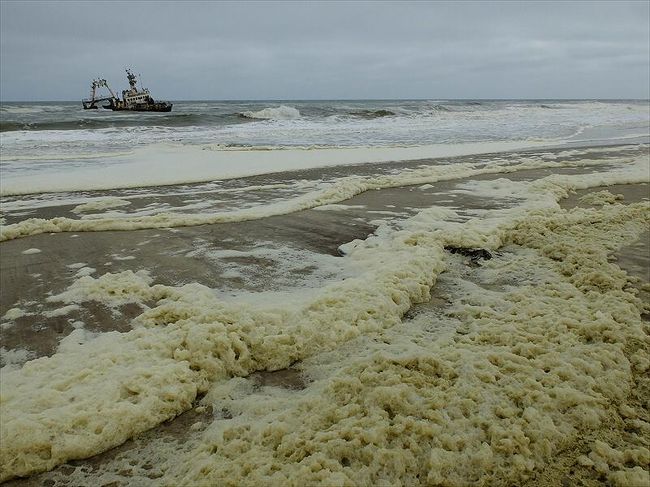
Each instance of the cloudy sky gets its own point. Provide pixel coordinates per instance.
(52, 50)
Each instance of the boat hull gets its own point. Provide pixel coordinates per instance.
(158, 107)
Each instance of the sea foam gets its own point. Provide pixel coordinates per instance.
(530, 368)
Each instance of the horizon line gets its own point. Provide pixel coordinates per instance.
(351, 99)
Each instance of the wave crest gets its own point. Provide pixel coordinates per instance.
(282, 112)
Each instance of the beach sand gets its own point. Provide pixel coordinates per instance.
(300, 252)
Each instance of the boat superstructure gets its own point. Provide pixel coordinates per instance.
(134, 99)
(91, 103)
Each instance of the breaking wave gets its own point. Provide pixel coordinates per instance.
(282, 112)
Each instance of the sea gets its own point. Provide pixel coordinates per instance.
(45, 138)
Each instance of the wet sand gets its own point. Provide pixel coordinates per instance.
(33, 277)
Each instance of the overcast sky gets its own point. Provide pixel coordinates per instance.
(52, 50)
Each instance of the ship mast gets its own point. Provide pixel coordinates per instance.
(132, 79)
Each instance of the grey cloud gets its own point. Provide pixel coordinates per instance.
(235, 50)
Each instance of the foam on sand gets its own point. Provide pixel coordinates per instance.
(189, 339)
(529, 370)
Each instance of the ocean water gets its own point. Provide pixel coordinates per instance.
(41, 139)
(326, 326)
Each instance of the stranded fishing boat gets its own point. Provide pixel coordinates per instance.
(133, 99)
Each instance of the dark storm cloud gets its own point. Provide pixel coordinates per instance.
(221, 50)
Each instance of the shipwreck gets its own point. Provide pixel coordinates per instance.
(134, 99)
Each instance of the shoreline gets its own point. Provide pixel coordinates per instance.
(476, 164)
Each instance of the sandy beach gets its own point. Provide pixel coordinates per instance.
(333, 327)
(325, 244)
